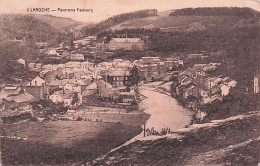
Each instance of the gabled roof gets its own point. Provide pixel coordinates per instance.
(92, 86)
(70, 81)
(10, 91)
(21, 98)
(38, 80)
(101, 83)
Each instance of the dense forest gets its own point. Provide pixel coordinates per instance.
(26, 27)
(221, 11)
(114, 20)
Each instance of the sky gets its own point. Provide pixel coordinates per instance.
(103, 9)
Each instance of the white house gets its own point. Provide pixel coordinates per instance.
(21, 61)
(37, 81)
(56, 97)
(72, 87)
(66, 96)
(224, 89)
(232, 83)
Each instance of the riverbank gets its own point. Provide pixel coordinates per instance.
(164, 111)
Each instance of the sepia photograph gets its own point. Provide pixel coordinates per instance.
(130, 82)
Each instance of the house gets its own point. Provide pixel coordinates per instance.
(21, 61)
(69, 84)
(224, 89)
(90, 90)
(10, 91)
(188, 90)
(66, 97)
(212, 81)
(195, 56)
(127, 97)
(118, 77)
(72, 87)
(150, 60)
(38, 66)
(104, 89)
(56, 97)
(126, 44)
(51, 52)
(77, 57)
(231, 83)
(205, 96)
(37, 87)
(161, 68)
(31, 65)
(15, 100)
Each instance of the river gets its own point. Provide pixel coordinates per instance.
(165, 111)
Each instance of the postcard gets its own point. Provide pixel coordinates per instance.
(133, 82)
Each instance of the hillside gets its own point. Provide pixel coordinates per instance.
(114, 20)
(236, 34)
(26, 27)
(19, 34)
(192, 19)
(232, 141)
(62, 24)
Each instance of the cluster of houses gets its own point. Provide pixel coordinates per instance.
(74, 51)
(89, 46)
(196, 84)
(150, 68)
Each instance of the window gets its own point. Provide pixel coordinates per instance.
(126, 78)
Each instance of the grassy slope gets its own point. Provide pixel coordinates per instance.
(195, 147)
(178, 21)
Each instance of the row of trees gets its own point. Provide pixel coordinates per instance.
(220, 11)
(114, 20)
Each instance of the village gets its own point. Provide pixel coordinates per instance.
(169, 86)
(79, 84)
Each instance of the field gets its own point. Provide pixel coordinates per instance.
(60, 142)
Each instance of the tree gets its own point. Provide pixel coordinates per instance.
(134, 76)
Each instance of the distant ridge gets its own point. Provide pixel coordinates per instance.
(218, 11)
(114, 20)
